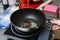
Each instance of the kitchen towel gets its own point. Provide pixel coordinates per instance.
(5, 22)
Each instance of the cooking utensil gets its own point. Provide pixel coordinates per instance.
(28, 20)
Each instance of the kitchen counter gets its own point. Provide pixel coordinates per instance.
(2, 37)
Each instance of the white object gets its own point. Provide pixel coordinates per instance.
(4, 2)
(1, 8)
(12, 2)
(45, 3)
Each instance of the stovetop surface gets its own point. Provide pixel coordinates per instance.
(42, 36)
(10, 33)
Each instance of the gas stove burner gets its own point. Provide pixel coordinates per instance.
(20, 34)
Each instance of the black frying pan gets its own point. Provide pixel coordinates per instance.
(22, 20)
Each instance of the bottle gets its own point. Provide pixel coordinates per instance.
(1, 8)
(5, 4)
(0, 1)
(17, 2)
(12, 2)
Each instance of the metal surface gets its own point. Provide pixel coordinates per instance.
(2, 37)
(43, 36)
(20, 17)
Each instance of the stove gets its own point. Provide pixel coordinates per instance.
(12, 34)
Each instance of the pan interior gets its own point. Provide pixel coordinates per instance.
(35, 16)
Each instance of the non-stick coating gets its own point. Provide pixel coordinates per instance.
(28, 14)
(25, 14)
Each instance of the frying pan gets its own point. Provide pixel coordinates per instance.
(28, 20)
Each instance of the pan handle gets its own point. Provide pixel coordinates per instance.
(42, 5)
